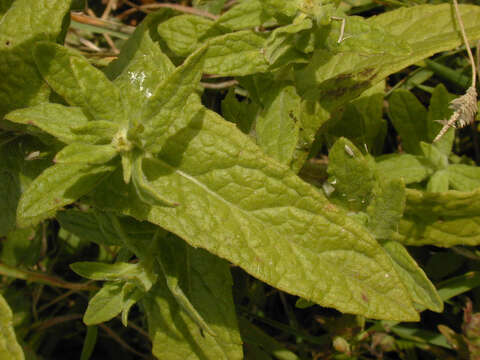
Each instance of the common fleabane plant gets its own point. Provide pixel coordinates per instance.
(162, 175)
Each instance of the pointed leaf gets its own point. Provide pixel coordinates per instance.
(85, 154)
(277, 126)
(21, 85)
(236, 54)
(141, 66)
(78, 82)
(57, 186)
(117, 271)
(245, 207)
(409, 117)
(174, 334)
(9, 347)
(421, 289)
(182, 33)
(170, 99)
(105, 304)
(55, 119)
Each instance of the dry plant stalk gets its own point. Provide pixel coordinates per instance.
(465, 107)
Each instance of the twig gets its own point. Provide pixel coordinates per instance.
(11, 271)
(220, 85)
(55, 321)
(108, 9)
(185, 9)
(465, 107)
(120, 341)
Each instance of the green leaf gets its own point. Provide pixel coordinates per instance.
(9, 347)
(442, 35)
(386, 208)
(89, 226)
(420, 288)
(169, 101)
(243, 206)
(10, 194)
(105, 304)
(434, 156)
(463, 177)
(55, 119)
(458, 285)
(21, 247)
(241, 113)
(442, 219)
(96, 132)
(117, 271)
(4, 6)
(25, 23)
(409, 117)
(85, 154)
(335, 76)
(89, 343)
(212, 6)
(57, 186)
(236, 54)
(141, 66)
(277, 127)
(438, 182)
(182, 33)
(361, 121)
(244, 15)
(351, 174)
(174, 260)
(207, 281)
(78, 82)
(409, 168)
(280, 46)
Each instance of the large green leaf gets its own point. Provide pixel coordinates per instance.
(57, 186)
(9, 347)
(25, 23)
(207, 282)
(463, 177)
(243, 206)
